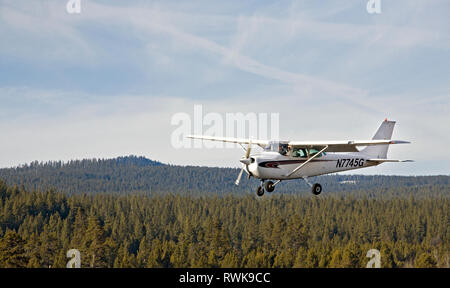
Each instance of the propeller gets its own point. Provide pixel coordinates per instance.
(245, 160)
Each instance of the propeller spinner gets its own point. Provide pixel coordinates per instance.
(245, 160)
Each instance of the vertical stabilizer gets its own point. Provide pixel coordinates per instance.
(383, 133)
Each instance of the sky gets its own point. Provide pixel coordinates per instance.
(107, 82)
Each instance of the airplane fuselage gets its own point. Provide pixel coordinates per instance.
(273, 165)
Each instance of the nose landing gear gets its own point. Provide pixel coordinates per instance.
(260, 191)
(268, 186)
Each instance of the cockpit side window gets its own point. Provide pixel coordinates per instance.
(313, 152)
(299, 152)
(283, 149)
(303, 153)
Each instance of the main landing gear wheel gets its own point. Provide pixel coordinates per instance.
(269, 186)
(260, 191)
(316, 189)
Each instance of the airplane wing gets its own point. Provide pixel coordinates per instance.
(333, 146)
(261, 143)
(342, 146)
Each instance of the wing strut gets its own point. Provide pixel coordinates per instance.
(307, 161)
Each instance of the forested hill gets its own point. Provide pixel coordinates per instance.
(133, 174)
(37, 228)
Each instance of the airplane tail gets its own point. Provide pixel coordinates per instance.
(383, 133)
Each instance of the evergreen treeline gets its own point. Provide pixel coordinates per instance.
(37, 228)
(125, 175)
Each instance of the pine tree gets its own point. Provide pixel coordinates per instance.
(352, 256)
(300, 260)
(155, 258)
(230, 261)
(12, 251)
(425, 260)
(336, 259)
(94, 244)
(387, 258)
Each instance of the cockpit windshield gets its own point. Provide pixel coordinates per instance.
(276, 146)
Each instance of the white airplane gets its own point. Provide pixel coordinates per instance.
(286, 160)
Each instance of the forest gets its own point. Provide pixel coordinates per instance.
(114, 223)
(132, 174)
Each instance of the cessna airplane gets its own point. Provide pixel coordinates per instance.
(286, 160)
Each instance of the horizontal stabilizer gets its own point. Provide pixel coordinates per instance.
(388, 160)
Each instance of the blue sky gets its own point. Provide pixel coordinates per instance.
(106, 82)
